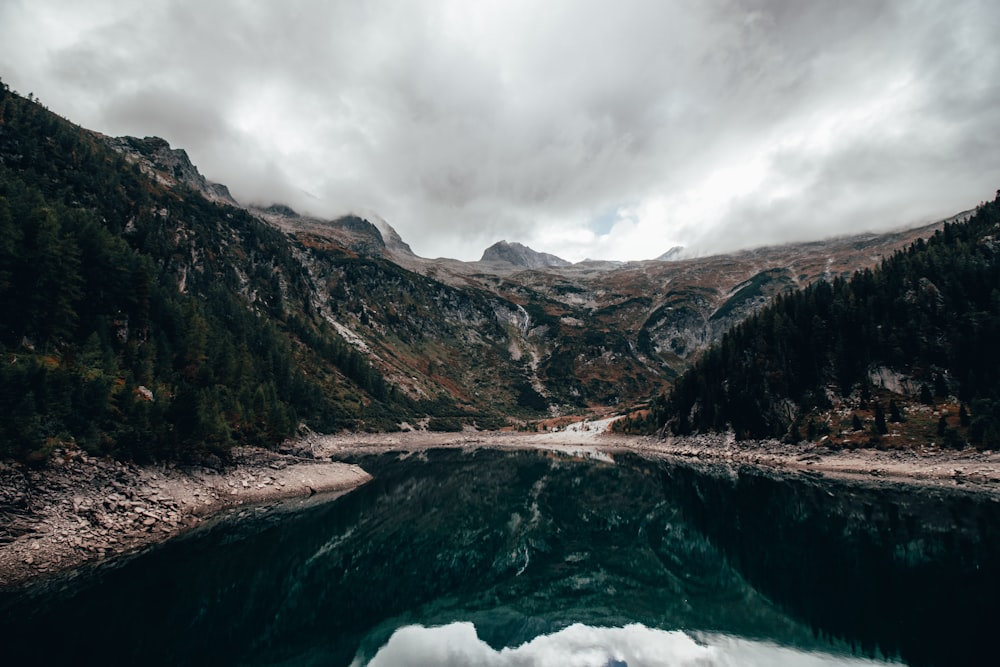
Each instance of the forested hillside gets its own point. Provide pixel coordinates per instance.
(144, 321)
(928, 319)
(144, 313)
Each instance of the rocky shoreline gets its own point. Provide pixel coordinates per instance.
(968, 470)
(919, 469)
(81, 510)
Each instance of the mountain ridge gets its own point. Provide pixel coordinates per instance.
(340, 324)
(174, 165)
(667, 329)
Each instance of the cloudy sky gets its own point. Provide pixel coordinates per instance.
(584, 128)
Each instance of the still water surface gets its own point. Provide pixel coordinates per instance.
(490, 558)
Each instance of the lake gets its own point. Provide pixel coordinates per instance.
(527, 558)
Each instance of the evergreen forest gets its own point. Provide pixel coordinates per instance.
(146, 322)
(929, 315)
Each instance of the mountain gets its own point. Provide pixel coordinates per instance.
(918, 333)
(675, 253)
(521, 256)
(170, 166)
(147, 314)
(394, 243)
(351, 232)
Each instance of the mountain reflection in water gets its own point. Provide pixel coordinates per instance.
(503, 558)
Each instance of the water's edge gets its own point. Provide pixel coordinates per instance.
(526, 543)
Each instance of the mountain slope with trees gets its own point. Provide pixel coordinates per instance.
(924, 324)
(143, 321)
(144, 313)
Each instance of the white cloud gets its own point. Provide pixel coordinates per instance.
(578, 645)
(584, 128)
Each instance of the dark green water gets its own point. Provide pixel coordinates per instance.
(525, 559)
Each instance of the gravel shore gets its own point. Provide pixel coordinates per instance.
(968, 470)
(82, 510)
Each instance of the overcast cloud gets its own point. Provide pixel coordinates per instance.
(610, 130)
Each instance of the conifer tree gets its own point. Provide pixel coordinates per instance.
(880, 426)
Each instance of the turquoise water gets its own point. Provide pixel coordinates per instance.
(495, 558)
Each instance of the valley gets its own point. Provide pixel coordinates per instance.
(154, 316)
(186, 376)
(451, 334)
(535, 336)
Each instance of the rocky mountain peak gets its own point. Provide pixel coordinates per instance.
(672, 255)
(393, 241)
(357, 235)
(521, 255)
(282, 210)
(171, 165)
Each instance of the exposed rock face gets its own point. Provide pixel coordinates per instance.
(281, 209)
(360, 235)
(896, 382)
(394, 243)
(521, 255)
(354, 233)
(156, 156)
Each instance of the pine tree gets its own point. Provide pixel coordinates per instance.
(880, 426)
(926, 397)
